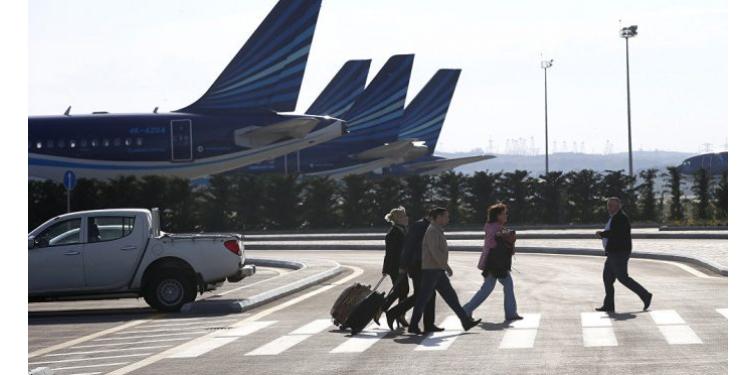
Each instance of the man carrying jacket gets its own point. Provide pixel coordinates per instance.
(617, 246)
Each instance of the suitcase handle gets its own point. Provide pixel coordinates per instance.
(378, 284)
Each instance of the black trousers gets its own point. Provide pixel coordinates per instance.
(616, 268)
(405, 305)
(402, 291)
(436, 280)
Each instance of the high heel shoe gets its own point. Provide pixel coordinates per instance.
(390, 317)
(401, 320)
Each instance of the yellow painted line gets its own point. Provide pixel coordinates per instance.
(198, 341)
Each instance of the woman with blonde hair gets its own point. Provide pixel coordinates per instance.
(394, 243)
(495, 262)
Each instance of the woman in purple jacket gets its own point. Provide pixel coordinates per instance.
(495, 231)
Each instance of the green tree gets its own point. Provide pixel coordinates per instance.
(647, 201)
(583, 195)
(674, 182)
(481, 192)
(282, 206)
(120, 192)
(180, 211)
(387, 194)
(702, 190)
(217, 204)
(356, 204)
(417, 195)
(548, 192)
(449, 189)
(320, 203)
(86, 195)
(516, 186)
(721, 197)
(47, 199)
(619, 184)
(251, 194)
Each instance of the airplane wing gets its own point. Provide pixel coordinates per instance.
(257, 136)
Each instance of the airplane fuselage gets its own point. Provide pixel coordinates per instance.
(174, 144)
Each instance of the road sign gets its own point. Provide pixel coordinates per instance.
(69, 180)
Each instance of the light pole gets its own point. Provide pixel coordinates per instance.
(627, 33)
(546, 64)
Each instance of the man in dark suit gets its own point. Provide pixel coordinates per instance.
(411, 263)
(617, 246)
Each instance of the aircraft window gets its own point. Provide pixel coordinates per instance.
(84, 143)
(39, 144)
(139, 141)
(50, 144)
(116, 142)
(105, 142)
(94, 143)
(72, 144)
(61, 143)
(128, 141)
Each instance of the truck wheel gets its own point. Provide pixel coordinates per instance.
(169, 290)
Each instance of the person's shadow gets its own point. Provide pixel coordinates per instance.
(623, 316)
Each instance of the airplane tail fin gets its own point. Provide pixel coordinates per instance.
(425, 115)
(376, 114)
(340, 94)
(267, 71)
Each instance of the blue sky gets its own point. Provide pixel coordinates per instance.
(130, 56)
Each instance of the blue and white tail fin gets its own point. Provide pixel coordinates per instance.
(266, 74)
(425, 115)
(339, 95)
(375, 117)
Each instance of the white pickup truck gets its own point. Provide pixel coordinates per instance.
(123, 253)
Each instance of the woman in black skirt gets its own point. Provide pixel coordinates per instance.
(394, 243)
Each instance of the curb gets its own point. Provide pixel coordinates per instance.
(709, 265)
(274, 294)
(242, 305)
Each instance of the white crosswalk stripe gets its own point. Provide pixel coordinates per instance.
(295, 337)
(362, 341)
(597, 329)
(219, 339)
(673, 328)
(522, 333)
(724, 312)
(442, 340)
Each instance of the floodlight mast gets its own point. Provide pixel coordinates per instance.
(546, 64)
(627, 33)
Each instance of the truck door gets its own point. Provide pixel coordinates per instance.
(182, 140)
(112, 251)
(56, 258)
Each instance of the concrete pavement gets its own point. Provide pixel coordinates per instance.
(684, 333)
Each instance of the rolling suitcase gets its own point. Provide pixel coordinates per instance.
(347, 301)
(391, 296)
(368, 309)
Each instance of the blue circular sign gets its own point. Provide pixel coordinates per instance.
(69, 180)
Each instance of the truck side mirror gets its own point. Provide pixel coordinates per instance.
(32, 243)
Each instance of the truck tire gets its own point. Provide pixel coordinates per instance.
(168, 290)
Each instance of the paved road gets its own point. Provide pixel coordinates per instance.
(684, 333)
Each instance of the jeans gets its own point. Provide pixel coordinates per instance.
(432, 280)
(616, 268)
(486, 290)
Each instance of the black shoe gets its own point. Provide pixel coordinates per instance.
(470, 323)
(402, 322)
(389, 317)
(605, 309)
(415, 330)
(434, 329)
(517, 317)
(647, 301)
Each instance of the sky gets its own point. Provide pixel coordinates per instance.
(131, 56)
